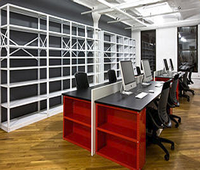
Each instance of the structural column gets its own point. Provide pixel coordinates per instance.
(97, 78)
(97, 55)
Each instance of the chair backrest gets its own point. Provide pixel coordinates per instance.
(190, 74)
(185, 79)
(138, 70)
(172, 93)
(81, 80)
(112, 76)
(162, 106)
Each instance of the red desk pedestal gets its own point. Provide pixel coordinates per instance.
(121, 135)
(77, 121)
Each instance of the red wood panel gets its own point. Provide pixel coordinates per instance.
(123, 132)
(161, 79)
(121, 135)
(84, 120)
(77, 134)
(116, 121)
(82, 108)
(77, 122)
(117, 149)
(142, 139)
(77, 106)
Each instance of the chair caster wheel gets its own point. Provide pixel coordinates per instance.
(166, 157)
(172, 147)
(176, 125)
(188, 99)
(179, 120)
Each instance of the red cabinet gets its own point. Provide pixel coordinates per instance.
(121, 135)
(77, 121)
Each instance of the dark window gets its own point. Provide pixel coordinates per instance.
(148, 50)
(187, 46)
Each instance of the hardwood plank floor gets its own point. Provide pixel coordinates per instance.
(40, 146)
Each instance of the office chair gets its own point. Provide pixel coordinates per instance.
(189, 80)
(81, 80)
(173, 102)
(112, 76)
(184, 87)
(159, 119)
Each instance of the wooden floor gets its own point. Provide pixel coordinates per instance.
(40, 146)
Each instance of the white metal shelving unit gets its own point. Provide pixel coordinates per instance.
(53, 49)
(116, 48)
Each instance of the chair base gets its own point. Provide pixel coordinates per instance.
(186, 96)
(158, 141)
(172, 117)
(191, 91)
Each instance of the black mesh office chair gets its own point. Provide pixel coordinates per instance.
(112, 76)
(189, 80)
(173, 102)
(159, 119)
(184, 87)
(81, 80)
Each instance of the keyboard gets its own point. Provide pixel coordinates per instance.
(141, 95)
(146, 84)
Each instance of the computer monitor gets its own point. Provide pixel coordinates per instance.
(171, 64)
(128, 78)
(138, 71)
(166, 65)
(147, 71)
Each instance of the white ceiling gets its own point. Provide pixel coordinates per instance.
(178, 13)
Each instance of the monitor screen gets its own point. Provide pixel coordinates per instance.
(171, 64)
(166, 65)
(127, 69)
(128, 78)
(147, 70)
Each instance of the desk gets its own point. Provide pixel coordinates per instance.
(121, 126)
(79, 114)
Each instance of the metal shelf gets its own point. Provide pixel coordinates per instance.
(121, 47)
(70, 46)
(21, 102)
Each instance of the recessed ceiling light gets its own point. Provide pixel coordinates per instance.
(154, 9)
(139, 2)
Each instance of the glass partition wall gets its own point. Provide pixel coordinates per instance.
(187, 46)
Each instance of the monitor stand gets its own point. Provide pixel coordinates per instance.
(122, 91)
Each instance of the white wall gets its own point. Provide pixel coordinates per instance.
(137, 36)
(166, 46)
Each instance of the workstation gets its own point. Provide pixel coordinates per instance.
(92, 85)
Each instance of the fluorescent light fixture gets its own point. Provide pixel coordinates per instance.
(154, 9)
(140, 2)
(183, 39)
